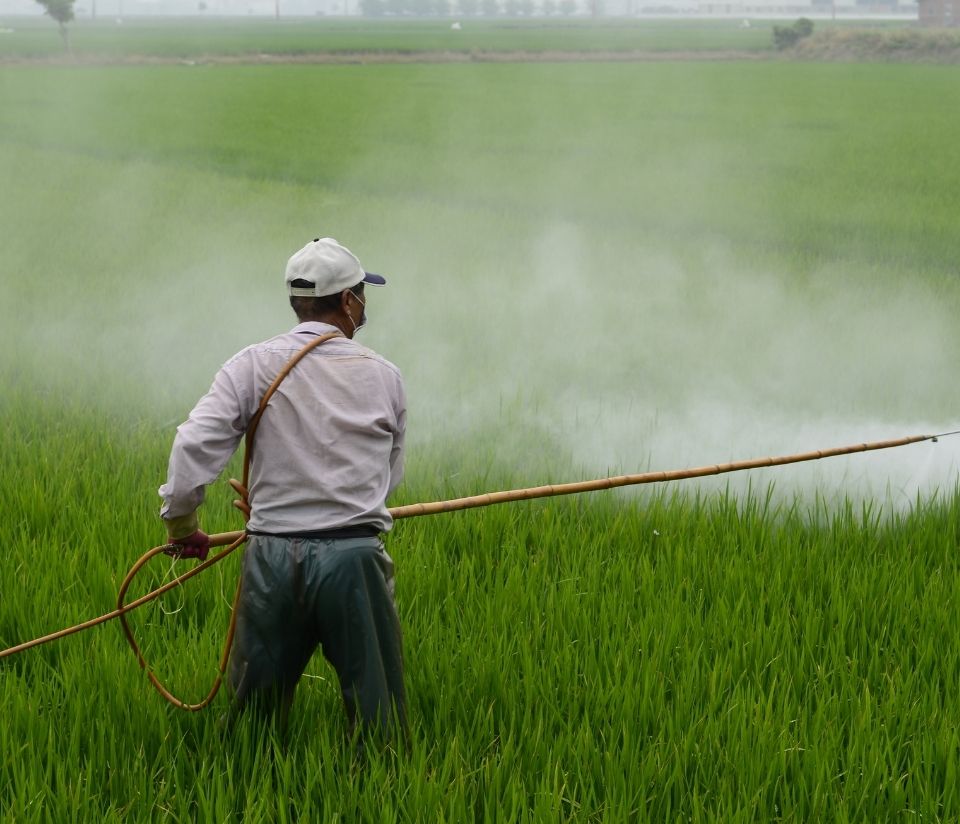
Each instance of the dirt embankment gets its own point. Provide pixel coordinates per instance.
(364, 57)
(829, 45)
(880, 46)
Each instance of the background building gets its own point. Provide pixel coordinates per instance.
(939, 12)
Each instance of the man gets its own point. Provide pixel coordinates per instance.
(327, 453)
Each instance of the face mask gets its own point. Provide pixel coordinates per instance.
(363, 315)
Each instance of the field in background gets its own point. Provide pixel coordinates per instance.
(298, 37)
(233, 36)
(588, 264)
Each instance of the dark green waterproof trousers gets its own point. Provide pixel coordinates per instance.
(300, 593)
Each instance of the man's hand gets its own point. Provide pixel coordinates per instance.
(195, 545)
(185, 537)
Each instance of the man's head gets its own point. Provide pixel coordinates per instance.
(325, 282)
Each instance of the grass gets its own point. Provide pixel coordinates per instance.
(758, 165)
(666, 655)
(934, 45)
(158, 38)
(683, 657)
(232, 36)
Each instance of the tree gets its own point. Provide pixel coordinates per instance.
(490, 8)
(549, 8)
(567, 7)
(62, 12)
(786, 36)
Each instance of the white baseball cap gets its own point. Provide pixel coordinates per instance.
(327, 265)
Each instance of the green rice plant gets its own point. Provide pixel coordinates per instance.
(714, 658)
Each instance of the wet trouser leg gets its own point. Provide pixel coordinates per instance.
(360, 634)
(273, 643)
(298, 593)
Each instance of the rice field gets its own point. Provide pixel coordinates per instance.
(107, 38)
(301, 36)
(592, 268)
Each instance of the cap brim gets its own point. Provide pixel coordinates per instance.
(374, 280)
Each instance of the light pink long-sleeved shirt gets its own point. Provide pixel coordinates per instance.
(328, 449)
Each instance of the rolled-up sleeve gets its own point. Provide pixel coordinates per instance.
(203, 445)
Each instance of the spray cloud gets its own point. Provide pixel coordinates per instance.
(564, 277)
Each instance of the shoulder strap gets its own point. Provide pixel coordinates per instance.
(244, 488)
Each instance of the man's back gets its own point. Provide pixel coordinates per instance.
(329, 448)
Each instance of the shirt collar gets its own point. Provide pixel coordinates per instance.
(315, 327)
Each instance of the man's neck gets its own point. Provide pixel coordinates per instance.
(329, 319)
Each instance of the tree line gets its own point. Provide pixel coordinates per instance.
(467, 8)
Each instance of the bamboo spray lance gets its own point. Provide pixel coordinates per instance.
(233, 540)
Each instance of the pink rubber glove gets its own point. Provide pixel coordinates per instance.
(195, 545)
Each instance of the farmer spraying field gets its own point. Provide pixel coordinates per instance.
(739, 647)
(329, 451)
(331, 421)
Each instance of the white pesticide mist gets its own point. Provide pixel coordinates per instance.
(547, 344)
(659, 365)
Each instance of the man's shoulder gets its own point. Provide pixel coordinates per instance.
(289, 343)
(286, 342)
(366, 352)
